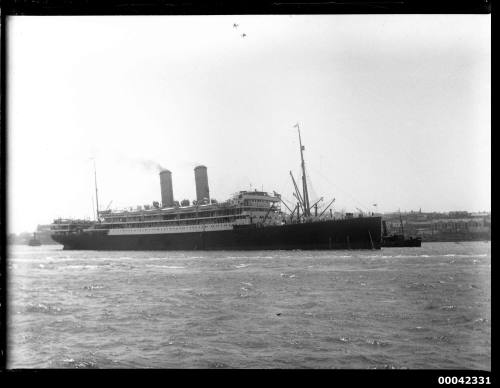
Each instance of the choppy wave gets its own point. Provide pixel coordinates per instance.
(43, 308)
(78, 363)
(165, 266)
(286, 309)
(93, 287)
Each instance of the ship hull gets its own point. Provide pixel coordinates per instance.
(354, 233)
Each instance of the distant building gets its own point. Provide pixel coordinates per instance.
(43, 234)
(19, 239)
(452, 226)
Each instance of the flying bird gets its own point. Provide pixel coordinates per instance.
(235, 25)
(243, 35)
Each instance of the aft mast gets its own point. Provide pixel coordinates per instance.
(96, 196)
(305, 196)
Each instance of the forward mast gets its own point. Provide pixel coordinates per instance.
(304, 199)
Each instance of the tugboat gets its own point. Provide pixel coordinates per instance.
(34, 242)
(399, 240)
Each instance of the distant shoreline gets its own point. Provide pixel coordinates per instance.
(423, 242)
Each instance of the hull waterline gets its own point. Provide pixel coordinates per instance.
(355, 233)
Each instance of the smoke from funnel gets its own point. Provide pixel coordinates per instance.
(150, 165)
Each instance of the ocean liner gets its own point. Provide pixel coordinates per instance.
(249, 220)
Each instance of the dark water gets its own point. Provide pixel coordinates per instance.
(412, 308)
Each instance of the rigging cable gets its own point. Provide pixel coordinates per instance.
(361, 204)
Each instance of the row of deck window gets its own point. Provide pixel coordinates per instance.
(171, 224)
(188, 227)
(169, 218)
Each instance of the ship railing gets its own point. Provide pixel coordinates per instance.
(174, 210)
(71, 221)
(201, 216)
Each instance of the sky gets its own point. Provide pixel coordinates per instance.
(394, 110)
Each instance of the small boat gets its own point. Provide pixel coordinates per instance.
(399, 240)
(34, 242)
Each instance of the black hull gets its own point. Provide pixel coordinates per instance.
(355, 233)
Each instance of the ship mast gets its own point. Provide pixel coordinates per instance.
(305, 196)
(401, 221)
(96, 196)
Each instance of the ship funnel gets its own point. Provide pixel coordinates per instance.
(167, 193)
(201, 180)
